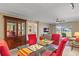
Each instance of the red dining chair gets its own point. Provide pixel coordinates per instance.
(60, 49)
(32, 39)
(56, 38)
(57, 52)
(4, 50)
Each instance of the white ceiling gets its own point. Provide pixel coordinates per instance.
(44, 12)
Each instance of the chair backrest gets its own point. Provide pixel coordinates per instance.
(61, 47)
(56, 38)
(32, 39)
(4, 50)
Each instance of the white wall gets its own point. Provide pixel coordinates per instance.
(33, 27)
(1, 27)
(41, 27)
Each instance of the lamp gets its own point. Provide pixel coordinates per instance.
(76, 34)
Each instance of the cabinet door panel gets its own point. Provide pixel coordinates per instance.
(11, 29)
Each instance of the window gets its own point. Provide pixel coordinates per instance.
(63, 30)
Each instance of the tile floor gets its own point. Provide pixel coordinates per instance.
(69, 52)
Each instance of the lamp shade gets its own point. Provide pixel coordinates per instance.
(76, 34)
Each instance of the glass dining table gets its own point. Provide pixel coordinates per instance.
(39, 48)
(45, 46)
(43, 49)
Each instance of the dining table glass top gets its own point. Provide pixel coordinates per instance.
(39, 48)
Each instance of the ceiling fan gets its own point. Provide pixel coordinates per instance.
(72, 5)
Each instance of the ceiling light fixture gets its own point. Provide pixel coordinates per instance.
(59, 21)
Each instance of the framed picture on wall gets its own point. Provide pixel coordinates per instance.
(30, 29)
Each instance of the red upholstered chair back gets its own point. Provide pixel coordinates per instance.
(32, 39)
(56, 38)
(61, 47)
(4, 50)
